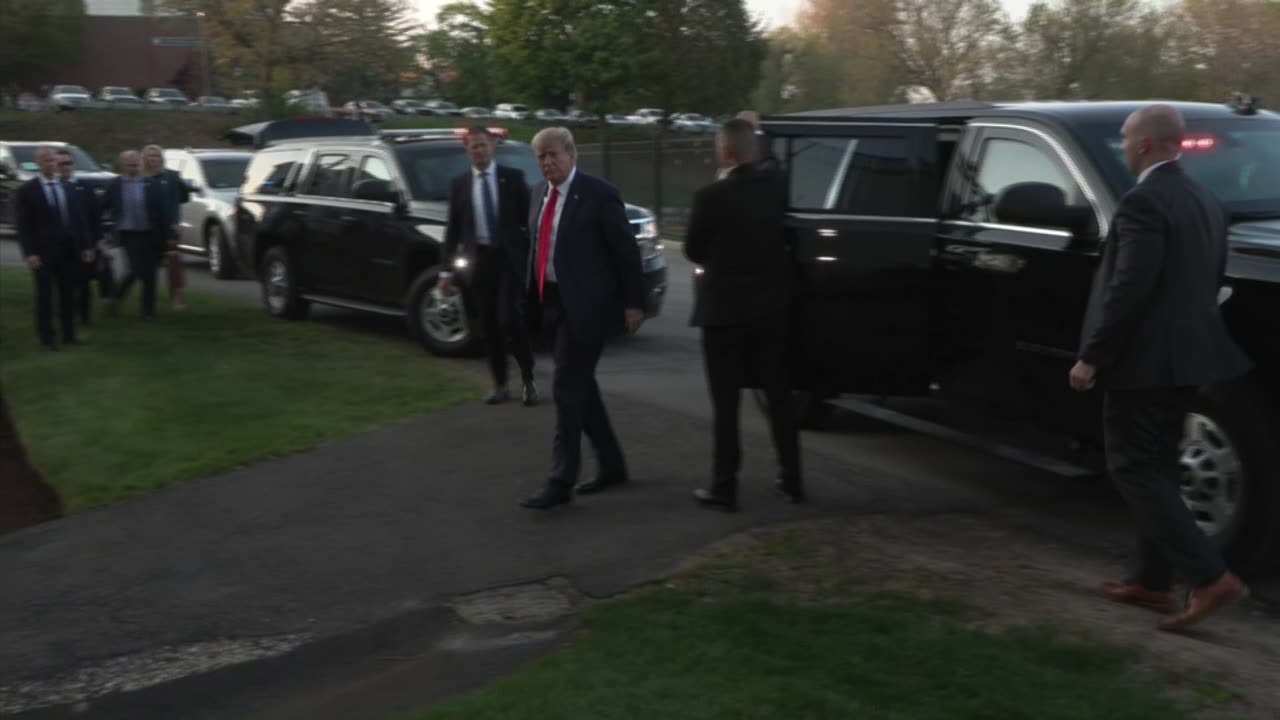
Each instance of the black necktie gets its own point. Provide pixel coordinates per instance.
(57, 206)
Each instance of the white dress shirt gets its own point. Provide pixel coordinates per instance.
(488, 175)
(555, 223)
(1146, 173)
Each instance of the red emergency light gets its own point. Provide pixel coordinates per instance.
(1198, 143)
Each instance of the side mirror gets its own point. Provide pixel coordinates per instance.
(377, 191)
(5, 171)
(1042, 205)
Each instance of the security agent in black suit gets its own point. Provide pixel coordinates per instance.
(737, 237)
(140, 211)
(1154, 335)
(85, 207)
(585, 265)
(488, 212)
(54, 237)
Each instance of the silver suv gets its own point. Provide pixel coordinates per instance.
(208, 219)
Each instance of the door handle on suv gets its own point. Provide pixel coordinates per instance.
(347, 218)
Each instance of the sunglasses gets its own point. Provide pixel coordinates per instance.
(66, 164)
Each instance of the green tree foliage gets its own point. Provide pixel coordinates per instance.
(35, 37)
(459, 55)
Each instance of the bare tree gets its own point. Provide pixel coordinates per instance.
(944, 45)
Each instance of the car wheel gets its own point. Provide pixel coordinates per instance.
(810, 408)
(280, 288)
(215, 246)
(1231, 474)
(440, 321)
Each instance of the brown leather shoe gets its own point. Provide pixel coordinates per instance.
(1203, 601)
(1135, 594)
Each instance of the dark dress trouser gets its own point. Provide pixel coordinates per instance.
(1143, 429)
(579, 407)
(59, 275)
(143, 250)
(737, 356)
(500, 313)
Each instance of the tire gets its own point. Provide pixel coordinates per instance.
(221, 264)
(812, 411)
(1230, 460)
(443, 324)
(280, 287)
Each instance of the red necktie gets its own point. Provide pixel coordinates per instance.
(544, 236)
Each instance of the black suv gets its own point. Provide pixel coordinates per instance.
(358, 222)
(918, 275)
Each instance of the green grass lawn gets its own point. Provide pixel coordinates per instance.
(677, 655)
(144, 405)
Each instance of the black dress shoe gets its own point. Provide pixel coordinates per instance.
(715, 501)
(603, 481)
(530, 397)
(498, 396)
(793, 492)
(547, 499)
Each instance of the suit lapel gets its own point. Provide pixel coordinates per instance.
(571, 202)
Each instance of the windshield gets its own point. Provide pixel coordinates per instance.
(224, 173)
(411, 103)
(117, 91)
(373, 104)
(430, 168)
(70, 90)
(1238, 160)
(25, 156)
(168, 93)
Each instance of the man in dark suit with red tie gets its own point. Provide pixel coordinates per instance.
(586, 267)
(488, 212)
(54, 237)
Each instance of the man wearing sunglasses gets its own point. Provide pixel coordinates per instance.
(84, 207)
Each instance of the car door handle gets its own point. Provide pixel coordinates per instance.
(347, 218)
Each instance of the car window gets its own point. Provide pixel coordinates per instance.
(332, 176)
(1004, 162)
(374, 168)
(270, 171)
(224, 173)
(855, 176)
(429, 170)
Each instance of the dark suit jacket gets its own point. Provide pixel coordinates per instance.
(40, 229)
(597, 261)
(159, 206)
(174, 192)
(1153, 318)
(513, 216)
(737, 234)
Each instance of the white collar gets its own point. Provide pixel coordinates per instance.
(481, 173)
(564, 186)
(1147, 173)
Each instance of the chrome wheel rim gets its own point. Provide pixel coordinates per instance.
(215, 250)
(277, 286)
(443, 316)
(1212, 474)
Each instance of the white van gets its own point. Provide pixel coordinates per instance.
(511, 111)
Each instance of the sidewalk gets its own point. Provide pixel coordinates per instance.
(371, 527)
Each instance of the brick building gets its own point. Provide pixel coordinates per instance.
(123, 45)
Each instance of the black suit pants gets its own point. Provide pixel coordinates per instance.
(143, 250)
(579, 406)
(494, 288)
(737, 356)
(1143, 430)
(56, 276)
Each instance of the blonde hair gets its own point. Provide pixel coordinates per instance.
(558, 135)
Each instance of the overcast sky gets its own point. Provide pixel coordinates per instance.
(773, 12)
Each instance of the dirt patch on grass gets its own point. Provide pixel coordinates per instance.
(25, 498)
(1000, 578)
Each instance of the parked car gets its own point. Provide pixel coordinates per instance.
(367, 110)
(18, 165)
(166, 96)
(692, 123)
(244, 103)
(921, 269)
(581, 117)
(117, 95)
(476, 113)
(208, 218)
(69, 97)
(511, 111)
(620, 120)
(303, 201)
(215, 104)
(312, 102)
(648, 116)
(443, 108)
(409, 106)
(547, 115)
